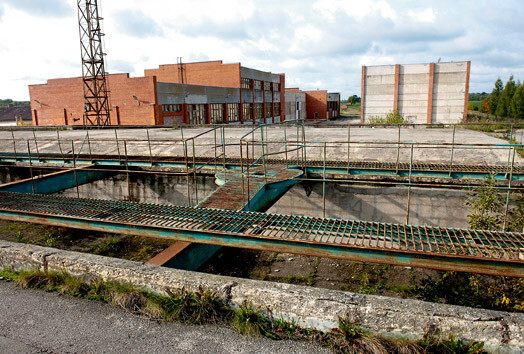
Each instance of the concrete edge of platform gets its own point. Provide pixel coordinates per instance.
(307, 306)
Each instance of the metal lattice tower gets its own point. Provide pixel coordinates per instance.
(96, 94)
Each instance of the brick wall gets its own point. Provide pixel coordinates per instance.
(62, 101)
(211, 73)
(316, 101)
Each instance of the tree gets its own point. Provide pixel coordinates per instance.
(503, 106)
(485, 105)
(517, 102)
(353, 99)
(495, 96)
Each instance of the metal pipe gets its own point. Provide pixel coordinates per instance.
(452, 150)
(398, 150)
(509, 190)
(409, 185)
(149, 145)
(74, 168)
(31, 168)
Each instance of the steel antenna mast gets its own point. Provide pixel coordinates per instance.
(96, 93)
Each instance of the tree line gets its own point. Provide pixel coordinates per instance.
(505, 100)
(6, 102)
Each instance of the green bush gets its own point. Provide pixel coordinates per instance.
(393, 117)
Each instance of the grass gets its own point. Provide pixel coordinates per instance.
(203, 307)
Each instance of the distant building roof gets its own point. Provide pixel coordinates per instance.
(9, 113)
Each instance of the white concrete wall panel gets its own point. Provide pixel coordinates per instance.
(449, 86)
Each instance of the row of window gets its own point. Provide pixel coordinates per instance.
(246, 83)
(197, 112)
(171, 108)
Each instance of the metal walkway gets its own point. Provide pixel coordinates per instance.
(455, 171)
(488, 252)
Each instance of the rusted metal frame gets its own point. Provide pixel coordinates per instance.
(349, 142)
(409, 184)
(31, 168)
(509, 189)
(74, 167)
(284, 227)
(195, 186)
(455, 241)
(324, 184)
(482, 237)
(118, 147)
(398, 150)
(242, 176)
(89, 145)
(248, 201)
(452, 150)
(59, 145)
(223, 139)
(471, 241)
(14, 143)
(263, 150)
(149, 146)
(184, 145)
(468, 242)
(36, 144)
(442, 262)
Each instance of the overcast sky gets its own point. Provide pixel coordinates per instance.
(318, 44)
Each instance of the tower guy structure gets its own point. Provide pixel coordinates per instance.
(96, 93)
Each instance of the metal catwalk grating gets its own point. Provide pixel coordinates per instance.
(343, 165)
(435, 241)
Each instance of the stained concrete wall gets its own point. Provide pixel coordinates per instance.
(291, 105)
(309, 307)
(422, 93)
(432, 207)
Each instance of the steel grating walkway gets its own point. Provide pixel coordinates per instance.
(342, 166)
(488, 252)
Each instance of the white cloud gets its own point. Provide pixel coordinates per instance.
(427, 15)
(315, 42)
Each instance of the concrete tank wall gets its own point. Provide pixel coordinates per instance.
(435, 207)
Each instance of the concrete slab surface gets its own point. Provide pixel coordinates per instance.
(34, 321)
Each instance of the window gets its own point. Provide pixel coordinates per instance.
(268, 110)
(232, 112)
(171, 108)
(197, 113)
(259, 110)
(267, 86)
(258, 84)
(246, 111)
(216, 112)
(276, 87)
(276, 109)
(316, 115)
(245, 83)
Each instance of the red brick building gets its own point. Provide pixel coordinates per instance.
(192, 93)
(319, 104)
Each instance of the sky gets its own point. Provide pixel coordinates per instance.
(318, 44)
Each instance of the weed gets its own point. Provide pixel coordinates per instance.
(50, 239)
(393, 117)
(250, 321)
(19, 237)
(204, 307)
(110, 247)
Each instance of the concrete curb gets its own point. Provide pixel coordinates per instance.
(309, 307)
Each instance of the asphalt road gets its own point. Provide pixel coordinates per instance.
(33, 321)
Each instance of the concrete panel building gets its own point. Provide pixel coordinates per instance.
(295, 104)
(183, 94)
(422, 93)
